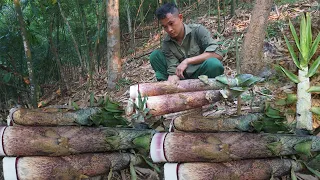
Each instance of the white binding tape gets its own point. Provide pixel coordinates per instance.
(157, 148)
(171, 171)
(9, 168)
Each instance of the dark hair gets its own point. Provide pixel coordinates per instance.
(162, 11)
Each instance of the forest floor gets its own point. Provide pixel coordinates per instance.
(137, 69)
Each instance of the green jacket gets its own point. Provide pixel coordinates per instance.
(197, 40)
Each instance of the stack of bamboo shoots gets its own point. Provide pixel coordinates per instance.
(205, 148)
(42, 144)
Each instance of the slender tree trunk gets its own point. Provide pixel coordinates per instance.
(252, 48)
(129, 23)
(67, 140)
(71, 167)
(225, 147)
(113, 51)
(27, 50)
(72, 37)
(245, 169)
(233, 7)
(54, 51)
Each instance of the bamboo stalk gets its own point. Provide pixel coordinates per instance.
(65, 167)
(244, 169)
(40, 117)
(165, 87)
(223, 147)
(207, 124)
(165, 104)
(66, 140)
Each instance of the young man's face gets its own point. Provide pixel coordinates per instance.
(173, 25)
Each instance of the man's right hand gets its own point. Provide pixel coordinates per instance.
(173, 79)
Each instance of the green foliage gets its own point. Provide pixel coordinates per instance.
(290, 99)
(275, 147)
(304, 148)
(110, 115)
(122, 83)
(142, 112)
(315, 110)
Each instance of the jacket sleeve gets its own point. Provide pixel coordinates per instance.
(172, 60)
(206, 41)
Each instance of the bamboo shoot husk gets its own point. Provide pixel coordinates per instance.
(242, 170)
(166, 87)
(40, 117)
(65, 167)
(224, 146)
(206, 124)
(66, 140)
(165, 104)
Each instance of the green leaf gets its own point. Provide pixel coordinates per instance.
(91, 99)
(75, 105)
(110, 174)
(315, 110)
(294, 34)
(290, 75)
(142, 142)
(308, 30)
(293, 174)
(151, 164)
(133, 172)
(292, 53)
(242, 78)
(314, 67)
(273, 113)
(315, 172)
(275, 147)
(314, 89)
(7, 77)
(303, 41)
(314, 46)
(304, 147)
(204, 79)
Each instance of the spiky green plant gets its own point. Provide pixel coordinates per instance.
(307, 48)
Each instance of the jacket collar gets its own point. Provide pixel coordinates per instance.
(187, 31)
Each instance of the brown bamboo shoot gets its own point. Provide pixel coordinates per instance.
(66, 140)
(165, 87)
(207, 124)
(165, 104)
(223, 147)
(241, 170)
(65, 167)
(41, 117)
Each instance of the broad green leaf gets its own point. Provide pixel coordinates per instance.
(7, 77)
(273, 113)
(242, 78)
(290, 75)
(314, 89)
(91, 99)
(292, 53)
(304, 147)
(314, 67)
(293, 174)
(315, 110)
(314, 46)
(294, 34)
(275, 147)
(204, 79)
(303, 41)
(308, 30)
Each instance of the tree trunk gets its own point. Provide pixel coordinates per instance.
(67, 140)
(72, 37)
(129, 23)
(245, 169)
(206, 124)
(54, 51)
(66, 167)
(165, 104)
(113, 51)
(27, 50)
(252, 48)
(224, 147)
(41, 117)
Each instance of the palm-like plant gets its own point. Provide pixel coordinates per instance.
(307, 48)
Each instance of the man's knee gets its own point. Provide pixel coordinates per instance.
(155, 55)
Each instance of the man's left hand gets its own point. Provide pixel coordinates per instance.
(181, 67)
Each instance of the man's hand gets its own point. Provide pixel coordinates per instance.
(173, 79)
(181, 67)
